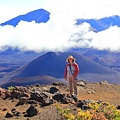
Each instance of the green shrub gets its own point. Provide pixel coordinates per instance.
(10, 88)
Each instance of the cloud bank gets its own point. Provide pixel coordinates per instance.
(60, 33)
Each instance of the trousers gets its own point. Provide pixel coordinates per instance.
(72, 86)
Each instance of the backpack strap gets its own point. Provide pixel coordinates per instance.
(70, 69)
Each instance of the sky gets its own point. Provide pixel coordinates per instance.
(60, 33)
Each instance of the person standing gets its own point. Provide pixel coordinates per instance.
(71, 74)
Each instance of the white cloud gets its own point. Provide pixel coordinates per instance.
(108, 39)
(60, 33)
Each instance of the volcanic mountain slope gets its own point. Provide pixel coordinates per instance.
(103, 57)
(42, 15)
(53, 64)
(101, 24)
(42, 80)
(38, 16)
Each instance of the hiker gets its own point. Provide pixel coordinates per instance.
(71, 73)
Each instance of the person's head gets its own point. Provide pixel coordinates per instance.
(70, 59)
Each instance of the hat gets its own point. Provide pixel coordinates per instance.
(70, 57)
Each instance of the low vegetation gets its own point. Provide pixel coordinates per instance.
(10, 88)
(95, 111)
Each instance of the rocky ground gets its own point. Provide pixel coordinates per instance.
(38, 102)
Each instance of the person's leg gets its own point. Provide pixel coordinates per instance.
(75, 86)
(70, 86)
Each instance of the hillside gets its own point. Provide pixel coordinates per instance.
(39, 101)
(53, 64)
(101, 24)
(42, 15)
(42, 80)
(103, 57)
(38, 16)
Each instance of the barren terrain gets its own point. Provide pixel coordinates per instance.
(86, 91)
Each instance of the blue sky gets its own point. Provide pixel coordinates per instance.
(63, 35)
(12, 8)
(89, 9)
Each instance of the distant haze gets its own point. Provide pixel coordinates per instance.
(60, 33)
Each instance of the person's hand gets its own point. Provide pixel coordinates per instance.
(72, 77)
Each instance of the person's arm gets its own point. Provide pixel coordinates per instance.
(65, 73)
